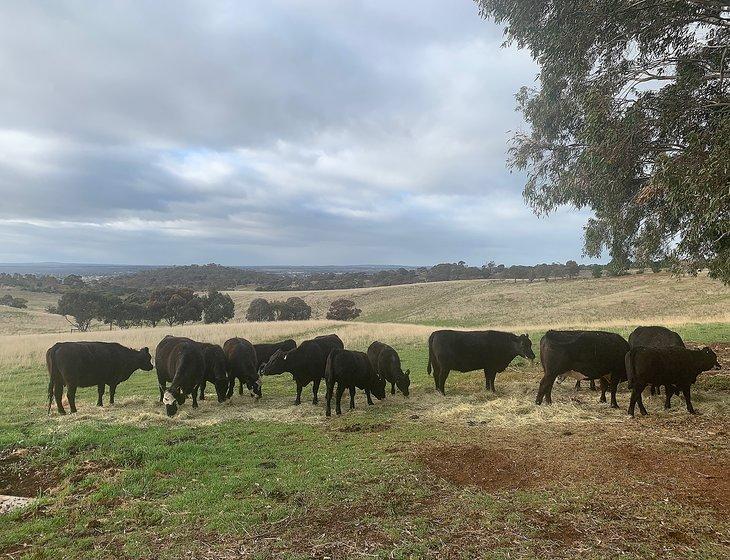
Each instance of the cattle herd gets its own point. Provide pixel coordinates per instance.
(653, 356)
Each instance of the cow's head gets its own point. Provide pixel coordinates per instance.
(711, 360)
(378, 386)
(524, 347)
(145, 359)
(403, 381)
(276, 364)
(173, 398)
(254, 386)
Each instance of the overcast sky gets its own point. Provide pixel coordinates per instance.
(277, 132)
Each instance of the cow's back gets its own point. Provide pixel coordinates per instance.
(240, 355)
(87, 363)
(655, 337)
(592, 353)
(265, 350)
(470, 350)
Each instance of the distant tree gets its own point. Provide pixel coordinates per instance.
(300, 311)
(16, 302)
(572, 269)
(615, 268)
(596, 271)
(175, 306)
(82, 306)
(656, 266)
(259, 310)
(217, 307)
(343, 310)
(74, 281)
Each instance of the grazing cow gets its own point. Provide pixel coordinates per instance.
(350, 369)
(491, 351)
(180, 361)
(242, 364)
(595, 354)
(656, 337)
(386, 363)
(673, 366)
(264, 351)
(216, 370)
(306, 363)
(85, 364)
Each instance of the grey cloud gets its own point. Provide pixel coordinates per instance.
(301, 132)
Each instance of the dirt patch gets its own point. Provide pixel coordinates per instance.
(675, 467)
(19, 478)
(364, 428)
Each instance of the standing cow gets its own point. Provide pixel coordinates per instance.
(386, 363)
(306, 363)
(181, 362)
(595, 354)
(656, 337)
(216, 370)
(242, 364)
(350, 369)
(86, 364)
(463, 351)
(669, 367)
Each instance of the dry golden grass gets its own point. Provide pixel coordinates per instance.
(638, 298)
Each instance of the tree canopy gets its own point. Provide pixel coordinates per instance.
(631, 118)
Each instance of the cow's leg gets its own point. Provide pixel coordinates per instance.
(652, 389)
(392, 388)
(491, 382)
(328, 398)
(367, 394)
(442, 380)
(315, 391)
(163, 388)
(195, 397)
(632, 401)
(352, 396)
(593, 385)
(298, 400)
(543, 390)
(667, 398)
(640, 400)
(112, 390)
(240, 385)
(614, 388)
(100, 388)
(604, 387)
(202, 390)
(486, 379)
(577, 385)
(231, 386)
(71, 394)
(338, 401)
(688, 399)
(437, 377)
(58, 395)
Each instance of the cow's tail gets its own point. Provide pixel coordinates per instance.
(53, 374)
(328, 365)
(629, 363)
(430, 353)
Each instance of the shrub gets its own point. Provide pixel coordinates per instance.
(260, 310)
(596, 271)
(217, 307)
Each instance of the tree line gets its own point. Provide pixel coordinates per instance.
(174, 306)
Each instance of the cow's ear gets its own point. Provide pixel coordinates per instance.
(407, 372)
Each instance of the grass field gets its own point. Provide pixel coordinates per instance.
(469, 475)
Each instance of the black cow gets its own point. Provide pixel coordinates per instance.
(462, 351)
(264, 351)
(180, 361)
(666, 366)
(85, 364)
(330, 341)
(216, 370)
(242, 364)
(350, 369)
(386, 363)
(595, 354)
(656, 337)
(306, 363)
